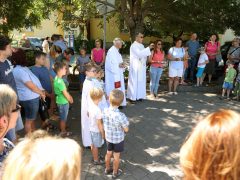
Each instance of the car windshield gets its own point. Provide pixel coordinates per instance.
(35, 41)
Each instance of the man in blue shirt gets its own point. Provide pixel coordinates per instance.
(58, 40)
(6, 77)
(193, 46)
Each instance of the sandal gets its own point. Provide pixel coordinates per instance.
(65, 134)
(119, 173)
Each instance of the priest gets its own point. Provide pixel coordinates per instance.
(114, 69)
(136, 90)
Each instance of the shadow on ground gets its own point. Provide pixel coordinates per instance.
(157, 131)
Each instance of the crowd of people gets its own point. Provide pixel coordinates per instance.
(103, 94)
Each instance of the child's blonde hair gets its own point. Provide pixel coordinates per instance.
(44, 157)
(116, 97)
(212, 151)
(96, 94)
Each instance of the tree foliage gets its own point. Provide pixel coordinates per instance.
(16, 14)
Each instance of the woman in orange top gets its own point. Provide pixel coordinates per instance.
(212, 151)
(156, 68)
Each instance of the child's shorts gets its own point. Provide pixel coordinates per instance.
(63, 111)
(96, 139)
(117, 148)
(227, 85)
(200, 72)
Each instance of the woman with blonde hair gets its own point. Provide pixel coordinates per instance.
(41, 157)
(212, 151)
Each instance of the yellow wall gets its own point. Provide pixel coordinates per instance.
(47, 28)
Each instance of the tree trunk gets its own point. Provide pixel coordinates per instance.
(138, 28)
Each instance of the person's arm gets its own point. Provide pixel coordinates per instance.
(141, 53)
(170, 56)
(34, 88)
(100, 127)
(92, 58)
(125, 123)
(68, 96)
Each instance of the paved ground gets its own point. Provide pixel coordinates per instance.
(157, 130)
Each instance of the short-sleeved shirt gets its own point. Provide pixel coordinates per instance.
(176, 53)
(114, 121)
(6, 75)
(235, 53)
(43, 75)
(81, 61)
(230, 75)
(193, 47)
(23, 75)
(59, 87)
(8, 146)
(94, 115)
(61, 44)
(212, 48)
(203, 58)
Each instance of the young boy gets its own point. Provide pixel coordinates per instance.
(228, 81)
(81, 62)
(63, 98)
(115, 126)
(42, 73)
(203, 60)
(87, 86)
(96, 126)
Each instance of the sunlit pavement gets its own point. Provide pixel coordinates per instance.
(157, 131)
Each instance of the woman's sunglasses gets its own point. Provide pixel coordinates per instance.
(18, 108)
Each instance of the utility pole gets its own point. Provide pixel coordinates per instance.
(104, 25)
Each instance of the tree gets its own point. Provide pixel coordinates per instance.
(16, 14)
(173, 17)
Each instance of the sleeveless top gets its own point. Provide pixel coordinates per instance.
(159, 56)
(98, 55)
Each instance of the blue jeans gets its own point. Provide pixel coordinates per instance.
(155, 75)
(191, 68)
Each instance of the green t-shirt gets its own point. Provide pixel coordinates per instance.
(230, 75)
(59, 87)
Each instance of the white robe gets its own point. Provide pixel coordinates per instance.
(85, 103)
(137, 71)
(113, 73)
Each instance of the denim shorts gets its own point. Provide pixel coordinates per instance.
(82, 77)
(30, 108)
(227, 85)
(63, 111)
(97, 140)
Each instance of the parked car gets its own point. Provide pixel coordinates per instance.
(36, 42)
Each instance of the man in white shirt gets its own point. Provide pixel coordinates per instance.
(114, 68)
(137, 70)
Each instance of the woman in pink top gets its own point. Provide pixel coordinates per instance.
(156, 68)
(98, 54)
(212, 48)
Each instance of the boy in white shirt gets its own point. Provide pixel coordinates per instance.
(203, 60)
(96, 125)
(86, 100)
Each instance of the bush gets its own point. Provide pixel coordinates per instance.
(79, 42)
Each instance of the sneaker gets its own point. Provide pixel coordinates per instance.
(119, 173)
(108, 171)
(99, 162)
(156, 96)
(175, 93)
(170, 93)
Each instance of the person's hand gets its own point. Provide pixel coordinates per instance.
(70, 100)
(43, 95)
(177, 59)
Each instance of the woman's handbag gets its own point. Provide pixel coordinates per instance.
(43, 109)
(219, 57)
